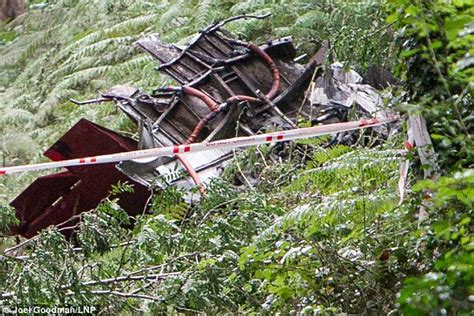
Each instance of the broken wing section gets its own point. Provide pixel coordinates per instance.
(55, 199)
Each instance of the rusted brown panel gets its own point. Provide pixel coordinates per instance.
(183, 66)
(184, 69)
(203, 54)
(217, 49)
(162, 52)
(218, 38)
(42, 193)
(187, 66)
(54, 199)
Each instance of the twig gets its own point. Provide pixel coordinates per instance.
(20, 245)
(309, 90)
(143, 287)
(124, 278)
(7, 295)
(125, 243)
(235, 156)
(129, 277)
(263, 157)
(121, 294)
(188, 310)
(377, 31)
(19, 258)
(241, 172)
(83, 268)
(216, 208)
(28, 241)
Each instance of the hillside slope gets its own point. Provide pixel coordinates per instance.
(322, 229)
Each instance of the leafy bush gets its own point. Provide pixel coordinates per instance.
(448, 287)
(434, 63)
(436, 46)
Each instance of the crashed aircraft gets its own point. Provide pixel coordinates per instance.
(225, 88)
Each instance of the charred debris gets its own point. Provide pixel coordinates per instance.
(225, 88)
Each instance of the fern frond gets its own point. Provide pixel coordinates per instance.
(168, 18)
(131, 26)
(333, 206)
(131, 66)
(16, 117)
(18, 145)
(245, 7)
(205, 14)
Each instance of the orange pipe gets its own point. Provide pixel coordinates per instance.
(275, 73)
(192, 173)
(199, 127)
(274, 69)
(236, 98)
(213, 106)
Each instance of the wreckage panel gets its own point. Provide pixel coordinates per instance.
(210, 49)
(85, 196)
(236, 71)
(164, 53)
(236, 77)
(241, 80)
(41, 194)
(70, 205)
(257, 75)
(216, 49)
(186, 69)
(52, 200)
(88, 139)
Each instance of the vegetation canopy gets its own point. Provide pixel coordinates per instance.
(322, 231)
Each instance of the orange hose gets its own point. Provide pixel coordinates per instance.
(213, 106)
(192, 173)
(199, 127)
(274, 69)
(275, 73)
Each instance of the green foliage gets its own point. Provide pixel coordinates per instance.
(101, 228)
(434, 63)
(7, 218)
(311, 22)
(449, 287)
(258, 251)
(321, 230)
(323, 254)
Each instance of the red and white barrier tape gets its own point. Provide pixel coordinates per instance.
(281, 136)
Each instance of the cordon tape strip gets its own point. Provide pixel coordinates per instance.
(236, 142)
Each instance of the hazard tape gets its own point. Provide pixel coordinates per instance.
(230, 143)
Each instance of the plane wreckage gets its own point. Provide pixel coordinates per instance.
(226, 88)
